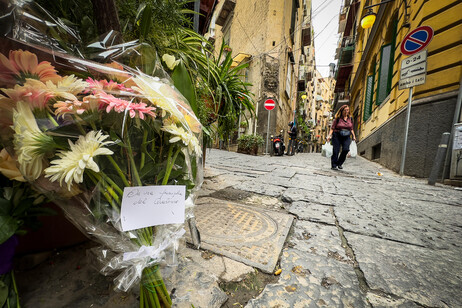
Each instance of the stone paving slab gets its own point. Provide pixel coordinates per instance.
(308, 182)
(312, 211)
(194, 286)
(223, 268)
(403, 222)
(309, 280)
(432, 278)
(260, 188)
(272, 179)
(297, 194)
(250, 235)
(319, 239)
(282, 172)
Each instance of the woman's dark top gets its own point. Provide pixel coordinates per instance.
(340, 124)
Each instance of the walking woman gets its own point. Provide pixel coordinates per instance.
(341, 134)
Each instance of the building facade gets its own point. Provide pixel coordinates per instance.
(320, 110)
(369, 73)
(274, 37)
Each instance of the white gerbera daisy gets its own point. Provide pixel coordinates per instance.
(30, 143)
(67, 87)
(179, 134)
(71, 164)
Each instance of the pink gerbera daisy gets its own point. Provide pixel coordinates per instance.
(104, 85)
(120, 105)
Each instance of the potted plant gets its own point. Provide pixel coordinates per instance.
(248, 144)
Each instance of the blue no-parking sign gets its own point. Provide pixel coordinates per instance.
(416, 40)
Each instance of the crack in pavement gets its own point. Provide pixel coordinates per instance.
(363, 285)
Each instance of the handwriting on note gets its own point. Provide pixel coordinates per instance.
(146, 206)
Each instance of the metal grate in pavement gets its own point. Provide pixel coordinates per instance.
(250, 235)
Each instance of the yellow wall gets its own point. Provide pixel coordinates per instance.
(444, 60)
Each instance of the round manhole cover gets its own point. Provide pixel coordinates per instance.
(231, 223)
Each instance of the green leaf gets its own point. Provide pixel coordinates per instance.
(8, 226)
(147, 59)
(140, 10)
(3, 293)
(23, 206)
(183, 83)
(145, 22)
(5, 207)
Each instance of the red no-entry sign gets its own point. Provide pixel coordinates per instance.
(416, 40)
(269, 104)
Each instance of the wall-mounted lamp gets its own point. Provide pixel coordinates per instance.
(369, 18)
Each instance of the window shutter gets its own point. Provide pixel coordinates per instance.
(368, 98)
(384, 74)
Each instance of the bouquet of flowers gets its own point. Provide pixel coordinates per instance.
(117, 150)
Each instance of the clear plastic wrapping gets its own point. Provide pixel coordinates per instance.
(82, 131)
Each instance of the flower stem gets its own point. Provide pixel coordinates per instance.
(143, 148)
(15, 287)
(52, 120)
(105, 194)
(133, 164)
(170, 163)
(119, 171)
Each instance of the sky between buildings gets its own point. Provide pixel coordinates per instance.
(325, 23)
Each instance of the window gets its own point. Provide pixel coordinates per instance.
(386, 66)
(368, 98)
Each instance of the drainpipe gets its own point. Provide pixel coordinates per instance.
(457, 119)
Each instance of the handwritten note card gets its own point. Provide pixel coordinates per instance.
(147, 206)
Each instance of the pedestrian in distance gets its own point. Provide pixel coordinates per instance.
(292, 137)
(341, 133)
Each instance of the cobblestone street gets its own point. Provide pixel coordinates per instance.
(363, 236)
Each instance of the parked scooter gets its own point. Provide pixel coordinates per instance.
(300, 146)
(277, 144)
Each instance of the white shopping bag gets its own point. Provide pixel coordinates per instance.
(326, 150)
(353, 149)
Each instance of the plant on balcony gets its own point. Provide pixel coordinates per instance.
(248, 144)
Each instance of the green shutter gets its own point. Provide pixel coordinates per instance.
(387, 59)
(384, 73)
(392, 54)
(368, 98)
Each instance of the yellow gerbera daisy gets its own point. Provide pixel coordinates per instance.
(71, 164)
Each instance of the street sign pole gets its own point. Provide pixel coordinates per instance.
(269, 105)
(406, 129)
(267, 131)
(413, 72)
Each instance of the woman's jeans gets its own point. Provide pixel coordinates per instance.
(337, 142)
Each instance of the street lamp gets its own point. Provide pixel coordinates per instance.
(369, 18)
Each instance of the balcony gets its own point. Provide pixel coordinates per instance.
(226, 9)
(346, 55)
